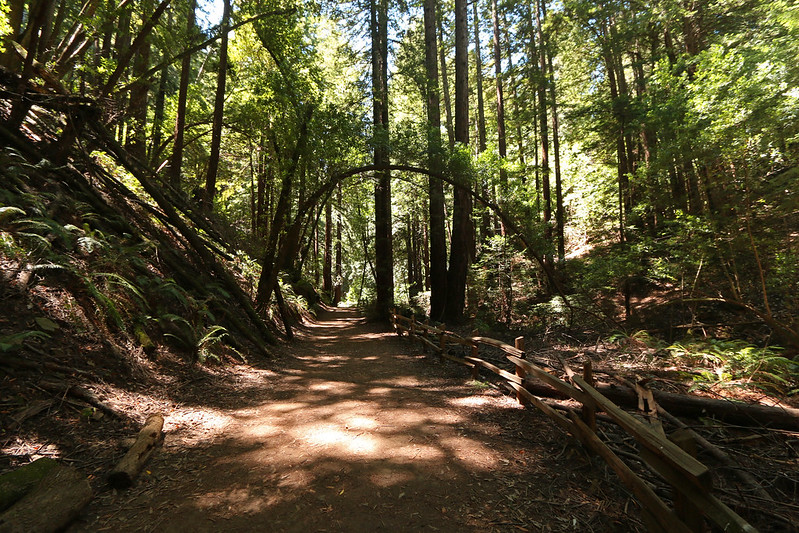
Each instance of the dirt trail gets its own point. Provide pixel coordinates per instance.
(359, 431)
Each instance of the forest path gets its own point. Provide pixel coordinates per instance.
(358, 431)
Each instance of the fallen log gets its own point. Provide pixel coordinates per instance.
(81, 393)
(17, 483)
(126, 471)
(51, 506)
(734, 412)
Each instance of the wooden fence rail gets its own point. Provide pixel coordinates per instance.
(670, 457)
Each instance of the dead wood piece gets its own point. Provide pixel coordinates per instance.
(52, 505)
(17, 483)
(711, 506)
(150, 436)
(751, 415)
(31, 410)
(647, 498)
(747, 478)
(663, 448)
(81, 393)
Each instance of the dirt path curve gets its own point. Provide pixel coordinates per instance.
(359, 431)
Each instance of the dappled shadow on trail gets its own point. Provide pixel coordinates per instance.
(360, 433)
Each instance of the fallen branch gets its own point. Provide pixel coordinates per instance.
(81, 393)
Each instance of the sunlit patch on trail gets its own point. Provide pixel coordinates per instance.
(342, 440)
(469, 401)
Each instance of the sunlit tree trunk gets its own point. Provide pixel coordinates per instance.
(384, 255)
(445, 83)
(438, 246)
(540, 74)
(462, 230)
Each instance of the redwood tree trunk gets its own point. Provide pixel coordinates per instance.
(384, 254)
(438, 247)
(462, 230)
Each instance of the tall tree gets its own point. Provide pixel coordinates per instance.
(438, 246)
(501, 139)
(219, 110)
(462, 228)
(384, 253)
(176, 161)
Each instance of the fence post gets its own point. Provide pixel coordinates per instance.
(475, 353)
(685, 509)
(589, 413)
(518, 342)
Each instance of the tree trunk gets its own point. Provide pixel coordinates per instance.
(158, 119)
(438, 247)
(559, 211)
(462, 230)
(384, 255)
(541, 70)
(176, 162)
(327, 269)
(501, 138)
(478, 78)
(339, 273)
(485, 219)
(137, 105)
(219, 109)
(445, 84)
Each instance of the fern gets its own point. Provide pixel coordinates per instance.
(15, 340)
(116, 279)
(8, 213)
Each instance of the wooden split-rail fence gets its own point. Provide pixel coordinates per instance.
(673, 457)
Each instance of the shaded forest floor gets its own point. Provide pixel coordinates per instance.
(354, 430)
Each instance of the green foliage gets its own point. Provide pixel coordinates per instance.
(737, 362)
(14, 341)
(197, 339)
